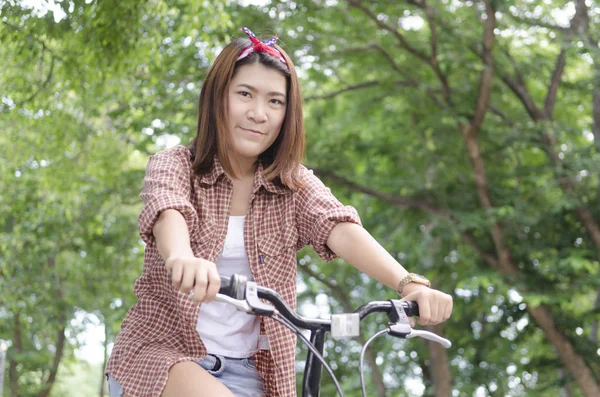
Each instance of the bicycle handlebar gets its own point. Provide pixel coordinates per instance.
(235, 287)
(246, 296)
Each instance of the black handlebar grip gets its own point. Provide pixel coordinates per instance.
(234, 286)
(411, 308)
(225, 286)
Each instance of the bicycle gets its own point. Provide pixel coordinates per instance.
(246, 296)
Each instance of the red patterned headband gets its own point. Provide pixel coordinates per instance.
(261, 46)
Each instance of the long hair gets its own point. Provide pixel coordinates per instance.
(282, 159)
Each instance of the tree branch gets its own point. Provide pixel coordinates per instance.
(579, 25)
(410, 81)
(60, 334)
(519, 79)
(470, 134)
(430, 15)
(499, 113)
(485, 83)
(369, 47)
(13, 373)
(401, 40)
(358, 86)
(45, 47)
(594, 334)
(516, 86)
(349, 50)
(408, 203)
(60, 344)
(390, 59)
(488, 257)
(557, 73)
(596, 110)
(429, 60)
(401, 202)
(418, 3)
(30, 36)
(41, 88)
(537, 23)
(520, 90)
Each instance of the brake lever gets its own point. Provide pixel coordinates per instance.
(430, 336)
(258, 307)
(399, 325)
(241, 305)
(252, 304)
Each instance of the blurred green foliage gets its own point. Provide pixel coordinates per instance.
(88, 91)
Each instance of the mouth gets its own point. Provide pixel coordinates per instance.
(252, 131)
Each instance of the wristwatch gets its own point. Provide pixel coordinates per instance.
(411, 278)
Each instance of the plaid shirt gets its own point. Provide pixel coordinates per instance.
(160, 329)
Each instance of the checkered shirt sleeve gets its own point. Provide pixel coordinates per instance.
(167, 186)
(317, 213)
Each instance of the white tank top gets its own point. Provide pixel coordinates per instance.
(223, 329)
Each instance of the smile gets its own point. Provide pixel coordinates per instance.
(253, 131)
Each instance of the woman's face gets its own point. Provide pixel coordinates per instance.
(256, 105)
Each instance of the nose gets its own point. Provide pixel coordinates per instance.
(257, 112)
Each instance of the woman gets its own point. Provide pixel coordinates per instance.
(237, 200)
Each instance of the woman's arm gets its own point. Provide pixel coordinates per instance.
(188, 273)
(172, 235)
(355, 245)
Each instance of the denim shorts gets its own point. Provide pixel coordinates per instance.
(238, 374)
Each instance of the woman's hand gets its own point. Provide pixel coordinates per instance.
(199, 276)
(434, 306)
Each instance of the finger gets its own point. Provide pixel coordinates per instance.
(201, 284)
(412, 321)
(424, 311)
(434, 303)
(441, 310)
(448, 308)
(214, 284)
(176, 275)
(187, 281)
(424, 307)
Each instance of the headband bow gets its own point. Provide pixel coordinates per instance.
(261, 46)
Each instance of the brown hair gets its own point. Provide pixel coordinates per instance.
(282, 159)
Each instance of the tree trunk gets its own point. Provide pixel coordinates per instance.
(542, 316)
(573, 361)
(440, 365)
(502, 259)
(12, 367)
(60, 344)
(60, 337)
(594, 335)
(596, 110)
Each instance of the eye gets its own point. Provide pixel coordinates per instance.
(277, 102)
(244, 93)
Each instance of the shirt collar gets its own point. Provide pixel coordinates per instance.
(260, 180)
(217, 170)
